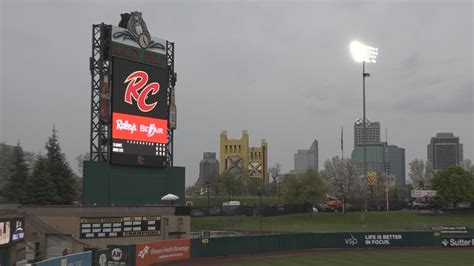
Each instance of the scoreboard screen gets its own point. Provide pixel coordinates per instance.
(102, 227)
(139, 113)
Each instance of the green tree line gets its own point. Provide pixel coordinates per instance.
(49, 180)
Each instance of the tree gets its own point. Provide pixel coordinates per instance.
(274, 174)
(80, 173)
(293, 188)
(420, 173)
(60, 171)
(214, 185)
(454, 185)
(305, 188)
(342, 178)
(41, 189)
(467, 165)
(80, 161)
(313, 187)
(14, 188)
(6, 160)
(253, 186)
(231, 184)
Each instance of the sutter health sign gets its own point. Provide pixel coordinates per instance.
(457, 242)
(162, 251)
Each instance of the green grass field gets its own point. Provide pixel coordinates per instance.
(418, 257)
(335, 222)
(217, 201)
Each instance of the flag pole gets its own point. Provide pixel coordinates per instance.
(342, 142)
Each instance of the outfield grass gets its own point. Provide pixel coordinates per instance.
(217, 201)
(418, 257)
(335, 222)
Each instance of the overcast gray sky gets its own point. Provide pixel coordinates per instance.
(280, 69)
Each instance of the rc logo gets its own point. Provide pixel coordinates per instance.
(143, 252)
(351, 241)
(137, 90)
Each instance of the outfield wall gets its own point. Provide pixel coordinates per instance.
(84, 258)
(181, 249)
(225, 246)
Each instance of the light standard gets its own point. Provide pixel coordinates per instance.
(364, 53)
(261, 209)
(208, 191)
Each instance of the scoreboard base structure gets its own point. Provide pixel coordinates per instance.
(106, 184)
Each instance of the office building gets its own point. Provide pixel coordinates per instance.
(307, 159)
(313, 157)
(375, 158)
(301, 161)
(372, 132)
(395, 161)
(444, 150)
(208, 167)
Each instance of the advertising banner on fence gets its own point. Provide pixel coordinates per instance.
(374, 240)
(424, 193)
(453, 230)
(77, 259)
(117, 255)
(387, 239)
(457, 242)
(112, 256)
(162, 251)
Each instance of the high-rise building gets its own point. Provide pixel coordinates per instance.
(372, 132)
(395, 160)
(301, 161)
(375, 154)
(444, 151)
(307, 159)
(237, 157)
(208, 167)
(313, 156)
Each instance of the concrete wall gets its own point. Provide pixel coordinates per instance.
(41, 221)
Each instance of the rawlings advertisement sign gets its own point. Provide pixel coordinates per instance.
(139, 113)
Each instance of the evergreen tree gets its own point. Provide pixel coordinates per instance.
(41, 189)
(60, 171)
(14, 188)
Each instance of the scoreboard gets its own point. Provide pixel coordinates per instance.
(140, 108)
(103, 227)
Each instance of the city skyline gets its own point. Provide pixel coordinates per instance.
(283, 71)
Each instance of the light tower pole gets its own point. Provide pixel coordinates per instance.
(363, 53)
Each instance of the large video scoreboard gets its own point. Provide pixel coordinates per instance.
(140, 109)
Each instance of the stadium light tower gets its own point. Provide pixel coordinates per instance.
(363, 53)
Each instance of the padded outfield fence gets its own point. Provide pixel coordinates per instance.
(224, 246)
(182, 249)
